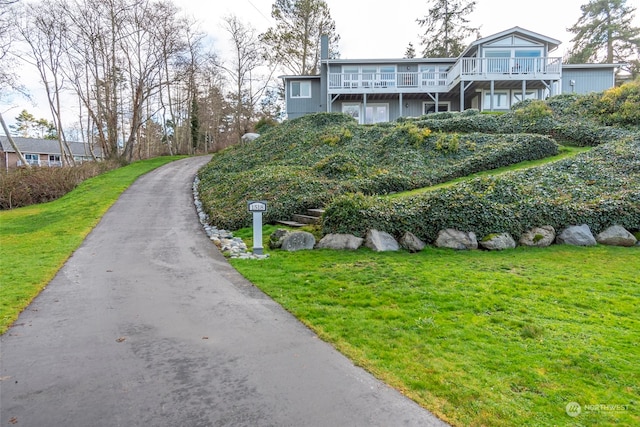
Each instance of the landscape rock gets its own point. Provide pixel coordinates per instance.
(498, 242)
(248, 137)
(411, 242)
(298, 240)
(577, 235)
(340, 242)
(276, 238)
(381, 241)
(539, 236)
(616, 235)
(455, 239)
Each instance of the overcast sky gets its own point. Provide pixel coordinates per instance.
(378, 29)
(368, 28)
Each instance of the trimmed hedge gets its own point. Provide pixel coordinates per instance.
(598, 188)
(305, 162)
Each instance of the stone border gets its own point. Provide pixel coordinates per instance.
(233, 247)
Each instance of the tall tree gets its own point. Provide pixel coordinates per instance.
(43, 29)
(447, 28)
(7, 36)
(604, 33)
(248, 87)
(410, 52)
(294, 43)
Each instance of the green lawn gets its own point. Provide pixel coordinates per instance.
(35, 241)
(479, 338)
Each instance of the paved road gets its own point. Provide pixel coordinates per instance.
(148, 325)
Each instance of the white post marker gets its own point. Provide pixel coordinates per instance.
(257, 207)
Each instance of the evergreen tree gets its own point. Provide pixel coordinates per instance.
(447, 28)
(294, 43)
(410, 52)
(604, 33)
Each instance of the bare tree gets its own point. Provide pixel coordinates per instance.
(43, 29)
(244, 72)
(8, 81)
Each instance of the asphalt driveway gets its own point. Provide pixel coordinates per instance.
(148, 325)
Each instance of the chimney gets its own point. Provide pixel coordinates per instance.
(324, 46)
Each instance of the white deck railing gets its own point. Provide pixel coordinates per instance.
(481, 69)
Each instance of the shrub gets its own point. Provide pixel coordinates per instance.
(28, 186)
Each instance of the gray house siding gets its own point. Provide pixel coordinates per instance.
(491, 74)
(582, 80)
(298, 107)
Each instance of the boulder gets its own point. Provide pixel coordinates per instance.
(577, 235)
(455, 239)
(276, 238)
(340, 242)
(411, 242)
(248, 137)
(298, 240)
(380, 241)
(616, 235)
(498, 242)
(538, 236)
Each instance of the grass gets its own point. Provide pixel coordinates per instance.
(479, 338)
(565, 151)
(35, 241)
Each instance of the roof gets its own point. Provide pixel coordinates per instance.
(315, 76)
(591, 66)
(551, 42)
(392, 61)
(45, 146)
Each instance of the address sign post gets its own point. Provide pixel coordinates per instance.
(257, 207)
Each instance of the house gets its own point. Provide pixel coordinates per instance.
(491, 74)
(41, 152)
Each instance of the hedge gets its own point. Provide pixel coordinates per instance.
(304, 163)
(598, 188)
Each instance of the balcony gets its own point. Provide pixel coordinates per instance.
(397, 82)
(466, 69)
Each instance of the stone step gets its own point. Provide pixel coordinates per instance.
(315, 212)
(305, 219)
(290, 223)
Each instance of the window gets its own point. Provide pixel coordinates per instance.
(301, 89)
(54, 160)
(369, 76)
(32, 159)
(500, 100)
(513, 60)
(517, 96)
(433, 75)
(430, 107)
(377, 113)
(353, 110)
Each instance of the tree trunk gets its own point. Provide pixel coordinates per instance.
(12, 142)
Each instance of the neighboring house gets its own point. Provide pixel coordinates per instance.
(41, 152)
(492, 74)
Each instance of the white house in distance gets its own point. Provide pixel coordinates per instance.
(42, 152)
(491, 74)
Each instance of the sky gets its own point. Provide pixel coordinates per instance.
(377, 29)
(368, 29)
